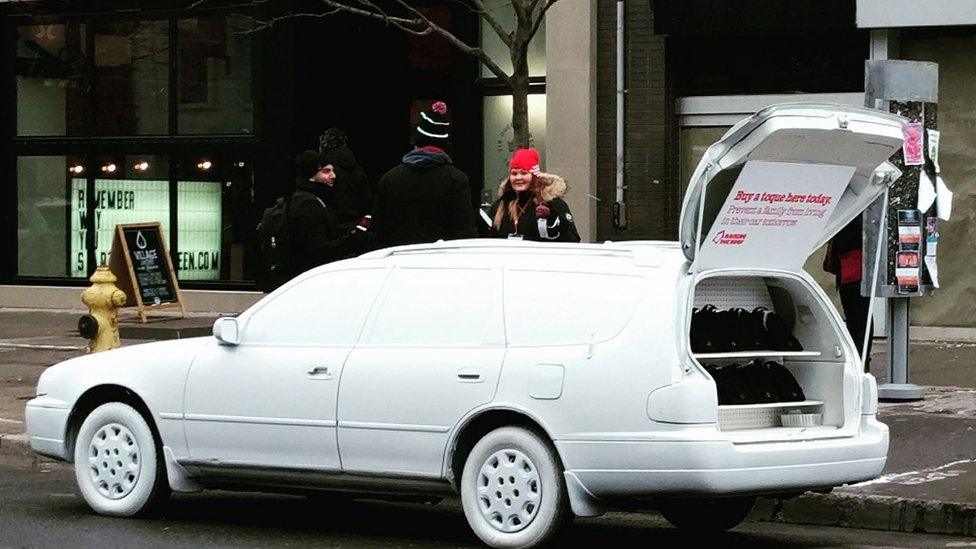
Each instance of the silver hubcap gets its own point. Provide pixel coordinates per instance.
(113, 461)
(509, 491)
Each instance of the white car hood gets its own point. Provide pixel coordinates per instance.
(130, 366)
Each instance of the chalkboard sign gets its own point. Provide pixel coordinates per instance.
(141, 262)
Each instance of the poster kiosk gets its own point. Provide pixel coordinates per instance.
(906, 239)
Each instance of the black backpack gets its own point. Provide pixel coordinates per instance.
(731, 385)
(787, 388)
(274, 239)
(704, 329)
(761, 382)
(777, 333)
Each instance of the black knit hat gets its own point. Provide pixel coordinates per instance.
(308, 163)
(434, 128)
(332, 138)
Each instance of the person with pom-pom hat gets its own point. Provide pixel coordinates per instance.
(425, 198)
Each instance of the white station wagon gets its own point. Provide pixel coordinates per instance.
(539, 381)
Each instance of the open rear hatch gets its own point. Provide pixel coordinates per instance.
(781, 183)
(773, 190)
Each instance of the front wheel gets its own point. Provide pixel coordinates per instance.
(707, 515)
(512, 489)
(119, 469)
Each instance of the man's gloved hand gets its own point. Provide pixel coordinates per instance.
(357, 238)
(364, 223)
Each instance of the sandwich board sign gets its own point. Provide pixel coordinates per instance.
(141, 262)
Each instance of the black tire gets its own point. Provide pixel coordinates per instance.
(512, 489)
(118, 463)
(707, 515)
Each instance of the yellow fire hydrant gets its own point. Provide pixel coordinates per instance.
(103, 298)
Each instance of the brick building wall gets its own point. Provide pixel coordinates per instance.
(650, 138)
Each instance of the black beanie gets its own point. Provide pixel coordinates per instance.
(308, 163)
(434, 128)
(332, 139)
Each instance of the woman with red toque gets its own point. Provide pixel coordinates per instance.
(530, 204)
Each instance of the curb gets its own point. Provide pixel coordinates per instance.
(870, 512)
(15, 446)
(163, 333)
(838, 509)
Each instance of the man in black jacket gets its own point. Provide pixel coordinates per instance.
(425, 198)
(316, 237)
(352, 195)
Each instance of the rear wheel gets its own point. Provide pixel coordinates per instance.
(118, 465)
(707, 515)
(512, 489)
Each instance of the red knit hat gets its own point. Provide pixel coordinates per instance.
(525, 159)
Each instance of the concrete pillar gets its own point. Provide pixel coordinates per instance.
(571, 32)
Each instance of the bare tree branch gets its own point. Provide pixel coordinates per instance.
(521, 15)
(506, 36)
(400, 22)
(261, 25)
(476, 52)
(542, 16)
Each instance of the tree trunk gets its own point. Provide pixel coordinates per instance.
(520, 99)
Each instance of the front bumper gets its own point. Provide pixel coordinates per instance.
(47, 422)
(619, 469)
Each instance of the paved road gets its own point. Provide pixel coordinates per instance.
(39, 507)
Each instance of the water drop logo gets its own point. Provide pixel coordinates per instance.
(141, 241)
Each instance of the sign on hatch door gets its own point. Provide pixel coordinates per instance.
(773, 216)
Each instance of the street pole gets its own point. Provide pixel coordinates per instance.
(909, 89)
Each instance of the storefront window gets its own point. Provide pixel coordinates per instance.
(43, 212)
(502, 11)
(498, 137)
(111, 78)
(693, 142)
(128, 189)
(215, 218)
(51, 69)
(132, 78)
(214, 79)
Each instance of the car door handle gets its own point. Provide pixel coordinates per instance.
(469, 376)
(320, 372)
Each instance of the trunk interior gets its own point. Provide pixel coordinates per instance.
(772, 386)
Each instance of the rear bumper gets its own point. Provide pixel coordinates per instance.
(634, 469)
(47, 421)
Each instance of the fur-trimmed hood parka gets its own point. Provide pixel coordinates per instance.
(551, 186)
(541, 215)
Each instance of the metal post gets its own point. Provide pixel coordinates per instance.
(907, 88)
(898, 387)
(619, 206)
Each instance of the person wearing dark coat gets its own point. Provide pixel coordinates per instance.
(352, 195)
(844, 260)
(425, 198)
(316, 237)
(530, 204)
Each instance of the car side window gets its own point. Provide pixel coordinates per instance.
(437, 307)
(563, 308)
(325, 309)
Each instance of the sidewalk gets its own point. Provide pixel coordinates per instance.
(929, 482)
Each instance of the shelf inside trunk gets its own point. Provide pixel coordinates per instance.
(797, 404)
(742, 417)
(755, 354)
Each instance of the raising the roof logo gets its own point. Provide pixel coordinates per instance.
(729, 239)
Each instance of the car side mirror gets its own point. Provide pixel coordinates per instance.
(226, 331)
